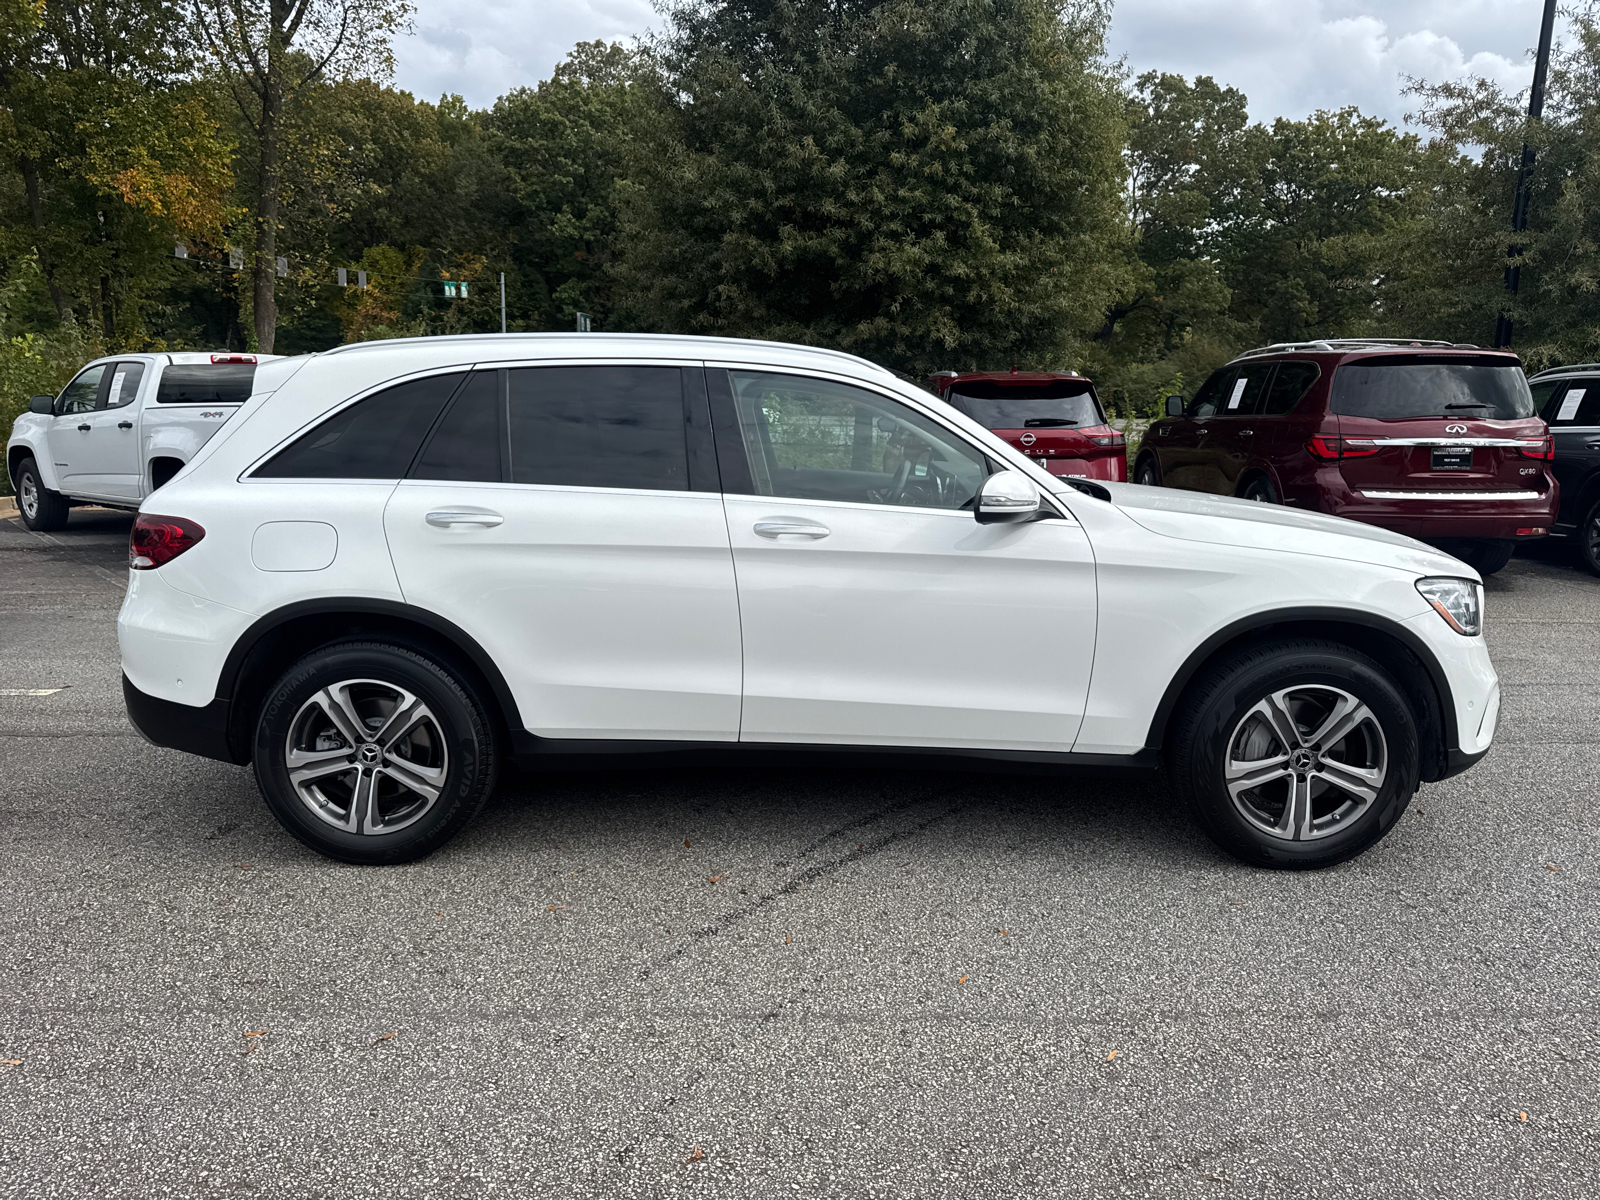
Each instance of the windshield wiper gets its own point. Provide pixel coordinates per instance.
(1469, 406)
(1046, 422)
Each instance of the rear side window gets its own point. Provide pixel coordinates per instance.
(1410, 386)
(601, 426)
(125, 380)
(206, 383)
(466, 445)
(375, 438)
(1580, 405)
(1290, 383)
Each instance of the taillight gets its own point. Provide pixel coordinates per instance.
(1113, 439)
(1544, 447)
(156, 540)
(1326, 446)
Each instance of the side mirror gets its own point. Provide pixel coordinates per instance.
(42, 404)
(1006, 496)
(1174, 406)
(886, 424)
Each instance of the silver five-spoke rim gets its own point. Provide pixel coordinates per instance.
(366, 756)
(1306, 762)
(29, 495)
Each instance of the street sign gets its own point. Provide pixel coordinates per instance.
(463, 289)
(283, 267)
(344, 277)
(235, 258)
(180, 251)
(450, 289)
(583, 323)
(361, 279)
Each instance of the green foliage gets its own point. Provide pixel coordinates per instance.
(929, 183)
(32, 362)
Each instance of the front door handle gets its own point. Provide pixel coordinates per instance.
(444, 520)
(1247, 433)
(1592, 444)
(778, 529)
(124, 424)
(84, 428)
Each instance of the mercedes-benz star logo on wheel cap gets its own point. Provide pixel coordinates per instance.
(1027, 439)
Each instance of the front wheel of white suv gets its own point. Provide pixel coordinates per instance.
(1296, 754)
(373, 753)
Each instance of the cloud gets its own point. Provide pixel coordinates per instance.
(1288, 56)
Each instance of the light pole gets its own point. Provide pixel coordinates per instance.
(1519, 208)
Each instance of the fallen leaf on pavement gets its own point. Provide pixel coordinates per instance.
(1113, 1055)
(697, 1156)
(1556, 869)
(788, 940)
(1523, 1115)
(960, 981)
(243, 866)
(712, 878)
(1005, 933)
(556, 907)
(385, 1037)
(254, 1032)
(10, 1062)
(686, 841)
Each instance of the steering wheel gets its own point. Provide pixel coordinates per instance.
(896, 491)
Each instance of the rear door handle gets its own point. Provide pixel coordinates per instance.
(778, 529)
(1247, 433)
(84, 428)
(444, 520)
(124, 424)
(1592, 444)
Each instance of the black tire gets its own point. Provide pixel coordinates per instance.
(1219, 717)
(452, 744)
(1589, 538)
(41, 509)
(1487, 555)
(1147, 471)
(1260, 490)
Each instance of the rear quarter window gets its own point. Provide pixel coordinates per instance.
(206, 383)
(375, 438)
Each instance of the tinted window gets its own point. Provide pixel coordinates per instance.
(1028, 405)
(1209, 397)
(1542, 392)
(1398, 388)
(80, 395)
(206, 383)
(1579, 406)
(375, 438)
(125, 380)
(466, 445)
(815, 439)
(619, 427)
(1290, 382)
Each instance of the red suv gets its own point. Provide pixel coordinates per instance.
(1432, 439)
(1053, 416)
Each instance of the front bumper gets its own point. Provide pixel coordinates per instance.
(202, 731)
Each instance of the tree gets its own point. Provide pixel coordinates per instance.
(270, 52)
(930, 183)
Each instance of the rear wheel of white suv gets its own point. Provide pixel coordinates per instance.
(1296, 754)
(373, 753)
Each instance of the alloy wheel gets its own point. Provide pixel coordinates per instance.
(366, 756)
(1305, 762)
(1591, 538)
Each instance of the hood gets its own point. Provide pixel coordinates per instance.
(1226, 521)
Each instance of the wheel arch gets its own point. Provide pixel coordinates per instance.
(162, 468)
(18, 451)
(1253, 472)
(1406, 656)
(268, 646)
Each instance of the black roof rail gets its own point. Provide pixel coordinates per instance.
(1594, 366)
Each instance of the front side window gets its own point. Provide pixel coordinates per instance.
(80, 395)
(1054, 405)
(813, 439)
(1411, 386)
(375, 438)
(1212, 393)
(125, 380)
(600, 426)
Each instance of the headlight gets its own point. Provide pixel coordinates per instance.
(1458, 601)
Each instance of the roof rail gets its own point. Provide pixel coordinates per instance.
(1594, 366)
(1327, 345)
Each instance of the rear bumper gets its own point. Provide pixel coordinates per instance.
(1430, 514)
(202, 731)
(1113, 468)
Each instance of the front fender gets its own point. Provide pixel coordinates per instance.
(28, 434)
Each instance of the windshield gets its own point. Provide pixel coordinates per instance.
(1059, 404)
(1398, 388)
(206, 383)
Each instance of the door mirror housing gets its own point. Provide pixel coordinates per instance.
(42, 404)
(1007, 496)
(1174, 406)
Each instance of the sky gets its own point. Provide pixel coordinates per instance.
(1290, 57)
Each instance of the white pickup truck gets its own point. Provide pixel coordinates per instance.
(124, 426)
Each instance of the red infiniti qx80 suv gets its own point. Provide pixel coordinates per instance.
(1432, 439)
(1053, 416)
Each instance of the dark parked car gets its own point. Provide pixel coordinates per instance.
(1439, 441)
(1568, 399)
(1052, 416)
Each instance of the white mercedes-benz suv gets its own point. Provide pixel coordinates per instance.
(403, 563)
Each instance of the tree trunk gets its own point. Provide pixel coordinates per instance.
(264, 261)
(108, 316)
(30, 184)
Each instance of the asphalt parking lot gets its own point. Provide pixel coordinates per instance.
(824, 982)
